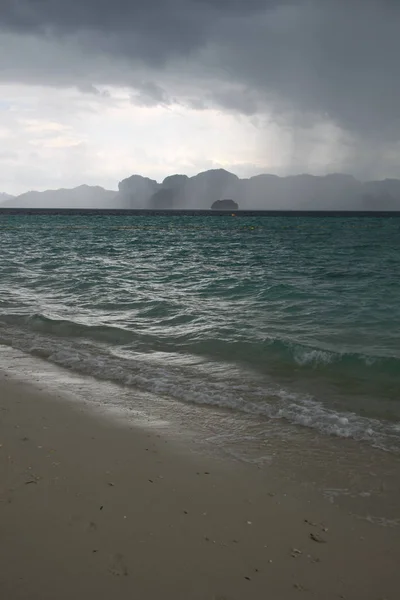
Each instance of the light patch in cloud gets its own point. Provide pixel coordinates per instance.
(63, 138)
(42, 126)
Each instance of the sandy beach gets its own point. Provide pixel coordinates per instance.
(90, 509)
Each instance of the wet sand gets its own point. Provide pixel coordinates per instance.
(91, 509)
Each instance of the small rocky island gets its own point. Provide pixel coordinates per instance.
(225, 205)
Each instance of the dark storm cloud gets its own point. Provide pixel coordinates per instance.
(155, 29)
(334, 60)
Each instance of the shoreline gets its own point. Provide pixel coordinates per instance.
(359, 478)
(89, 508)
(307, 404)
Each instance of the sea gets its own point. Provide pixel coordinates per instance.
(292, 321)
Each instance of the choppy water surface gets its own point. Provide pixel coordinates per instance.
(293, 319)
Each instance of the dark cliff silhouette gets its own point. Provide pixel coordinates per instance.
(262, 192)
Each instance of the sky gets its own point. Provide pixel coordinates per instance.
(93, 91)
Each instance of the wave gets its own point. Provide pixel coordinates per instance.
(271, 354)
(265, 352)
(308, 355)
(65, 328)
(207, 382)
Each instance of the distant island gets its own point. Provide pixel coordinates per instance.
(225, 205)
(335, 192)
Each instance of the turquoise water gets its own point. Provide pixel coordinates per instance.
(293, 319)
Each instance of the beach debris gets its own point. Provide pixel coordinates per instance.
(248, 578)
(185, 512)
(310, 523)
(30, 481)
(206, 473)
(91, 526)
(249, 523)
(299, 587)
(151, 481)
(101, 507)
(111, 484)
(316, 538)
(235, 541)
(271, 494)
(295, 553)
(25, 439)
(207, 539)
(118, 566)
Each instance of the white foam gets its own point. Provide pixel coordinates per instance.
(237, 390)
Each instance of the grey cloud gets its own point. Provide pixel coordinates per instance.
(338, 61)
(150, 94)
(315, 60)
(151, 30)
(89, 88)
(120, 15)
